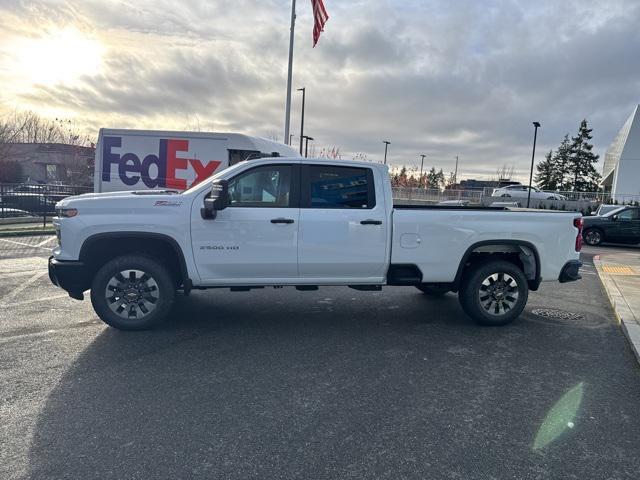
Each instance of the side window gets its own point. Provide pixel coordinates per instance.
(339, 187)
(628, 215)
(268, 186)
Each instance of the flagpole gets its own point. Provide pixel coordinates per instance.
(290, 73)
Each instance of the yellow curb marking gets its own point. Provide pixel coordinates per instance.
(618, 269)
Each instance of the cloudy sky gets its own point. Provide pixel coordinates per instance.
(439, 77)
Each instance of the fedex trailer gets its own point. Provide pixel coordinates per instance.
(165, 160)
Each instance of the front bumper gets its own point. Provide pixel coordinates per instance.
(71, 276)
(570, 272)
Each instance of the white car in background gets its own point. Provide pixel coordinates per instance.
(522, 191)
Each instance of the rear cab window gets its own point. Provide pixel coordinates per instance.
(337, 187)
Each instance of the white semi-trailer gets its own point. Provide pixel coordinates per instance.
(303, 223)
(164, 160)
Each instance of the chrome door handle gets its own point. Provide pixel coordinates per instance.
(371, 222)
(281, 220)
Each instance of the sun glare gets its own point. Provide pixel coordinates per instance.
(58, 57)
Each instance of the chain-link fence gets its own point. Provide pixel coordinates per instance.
(22, 202)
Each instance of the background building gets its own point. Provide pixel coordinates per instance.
(621, 170)
(52, 162)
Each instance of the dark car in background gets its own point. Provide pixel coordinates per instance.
(621, 225)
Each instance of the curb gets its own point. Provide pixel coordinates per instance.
(623, 313)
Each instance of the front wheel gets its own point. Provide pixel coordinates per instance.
(494, 292)
(132, 292)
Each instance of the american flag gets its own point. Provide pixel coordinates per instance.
(320, 16)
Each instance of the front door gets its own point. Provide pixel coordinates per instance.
(343, 226)
(255, 239)
(623, 228)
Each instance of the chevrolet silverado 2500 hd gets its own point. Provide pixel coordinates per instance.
(302, 223)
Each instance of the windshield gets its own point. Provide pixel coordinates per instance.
(197, 186)
(613, 212)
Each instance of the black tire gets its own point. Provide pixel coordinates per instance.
(593, 236)
(510, 280)
(433, 290)
(505, 195)
(149, 296)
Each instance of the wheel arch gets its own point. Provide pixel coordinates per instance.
(102, 247)
(525, 252)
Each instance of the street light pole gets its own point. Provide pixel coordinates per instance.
(306, 144)
(303, 90)
(455, 174)
(533, 155)
(421, 167)
(386, 144)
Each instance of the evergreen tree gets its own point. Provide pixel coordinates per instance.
(582, 165)
(561, 165)
(440, 178)
(545, 178)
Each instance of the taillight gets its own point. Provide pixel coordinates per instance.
(578, 223)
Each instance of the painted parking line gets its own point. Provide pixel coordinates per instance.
(35, 300)
(45, 241)
(26, 244)
(16, 291)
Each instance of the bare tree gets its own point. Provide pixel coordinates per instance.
(504, 173)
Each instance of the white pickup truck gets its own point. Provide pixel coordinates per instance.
(303, 223)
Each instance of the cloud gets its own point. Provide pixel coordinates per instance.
(445, 79)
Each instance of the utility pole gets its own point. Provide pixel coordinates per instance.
(533, 155)
(303, 90)
(386, 144)
(421, 167)
(287, 113)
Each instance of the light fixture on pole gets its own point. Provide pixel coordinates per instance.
(421, 167)
(306, 144)
(386, 145)
(303, 90)
(533, 155)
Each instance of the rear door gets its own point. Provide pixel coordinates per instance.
(343, 226)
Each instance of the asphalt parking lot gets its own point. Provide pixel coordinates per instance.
(337, 383)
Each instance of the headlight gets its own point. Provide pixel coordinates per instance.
(67, 212)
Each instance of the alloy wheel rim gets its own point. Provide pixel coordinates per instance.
(132, 294)
(593, 237)
(498, 294)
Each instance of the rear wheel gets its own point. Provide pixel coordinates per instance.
(132, 292)
(494, 292)
(433, 290)
(593, 237)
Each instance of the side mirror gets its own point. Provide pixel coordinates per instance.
(614, 217)
(217, 200)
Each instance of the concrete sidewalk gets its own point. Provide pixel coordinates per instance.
(620, 275)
